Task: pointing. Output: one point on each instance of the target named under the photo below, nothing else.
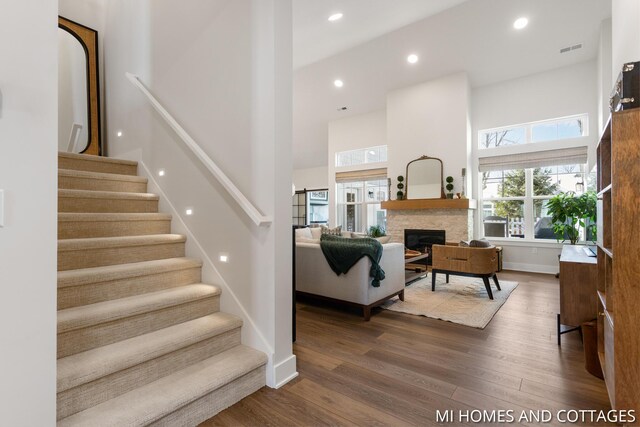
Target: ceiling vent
(571, 48)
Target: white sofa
(315, 277)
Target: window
(514, 201)
(548, 130)
(362, 156)
(358, 204)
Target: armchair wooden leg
(401, 295)
(495, 280)
(447, 278)
(433, 280)
(366, 313)
(485, 279)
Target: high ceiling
(475, 36)
(316, 38)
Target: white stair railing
(258, 218)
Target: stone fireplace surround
(456, 217)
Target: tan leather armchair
(465, 261)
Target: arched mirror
(78, 89)
(424, 178)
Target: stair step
(90, 326)
(86, 162)
(83, 180)
(89, 378)
(106, 201)
(97, 284)
(96, 252)
(85, 225)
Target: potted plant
(449, 187)
(400, 192)
(377, 231)
(569, 213)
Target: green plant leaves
(569, 213)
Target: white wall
(625, 25)
(430, 119)
(604, 71)
(28, 239)
(557, 93)
(352, 133)
(224, 72)
(311, 178)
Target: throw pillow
(383, 239)
(358, 235)
(336, 231)
(316, 232)
(303, 233)
(482, 243)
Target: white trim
(256, 216)
(530, 268)
(251, 334)
(526, 243)
(285, 371)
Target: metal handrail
(258, 218)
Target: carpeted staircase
(140, 340)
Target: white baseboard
(530, 268)
(284, 371)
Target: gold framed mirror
(79, 129)
(425, 178)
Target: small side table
(413, 273)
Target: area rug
(463, 300)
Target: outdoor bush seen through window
(514, 201)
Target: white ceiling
(475, 36)
(316, 38)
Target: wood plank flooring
(398, 369)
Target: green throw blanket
(343, 253)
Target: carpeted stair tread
(76, 225)
(92, 364)
(123, 271)
(108, 311)
(73, 173)
(100, 159)
(96, 163)
(112, 216)
(115, 242)
(97, 284)
(160, 398)
(108, 195)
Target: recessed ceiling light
(338, 83)
(161, 172)
(189, 211)
(520, 23)
(119, 133)
(412, 59)
(335, 17)
(224, 258)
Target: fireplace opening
(422, 240)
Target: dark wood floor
(398, 369)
